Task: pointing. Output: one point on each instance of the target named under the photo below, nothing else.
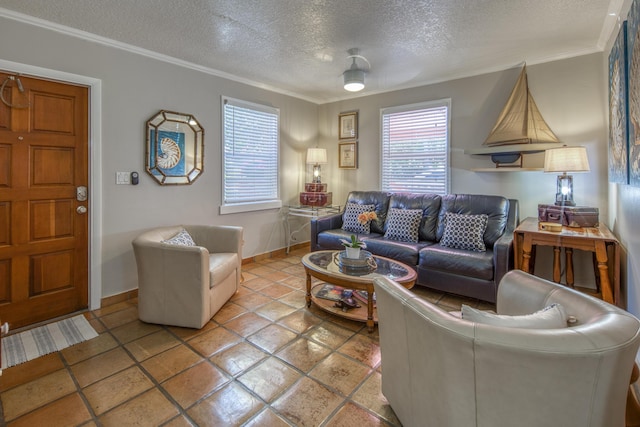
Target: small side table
(594, 239)
(305, 212)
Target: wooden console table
(598, 240)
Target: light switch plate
(122, 178)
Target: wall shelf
(520, 149)
(513, 149)
(507, 169)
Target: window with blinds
(250, 156)
(415, 147)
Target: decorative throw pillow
(464, 231)
(181, 239)
(403, 224)
(550, 317)
(350, 218)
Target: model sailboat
(520, 128)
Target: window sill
(249, 207)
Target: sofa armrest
(502, 256)
(323, 223)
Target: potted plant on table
(353, 247)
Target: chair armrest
(323, 223)
(523, 293)
(170, 276)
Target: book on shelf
(330, 292)
(363, 296)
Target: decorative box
(571, 216)
(552, 227)
(314, 187)
(318, 198)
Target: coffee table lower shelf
(358, 314)
(322, 266)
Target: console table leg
(632, 415)
(527, 259)
(556, 264)
(605, 284)
(568, 253)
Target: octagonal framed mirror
(175, 148)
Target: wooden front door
(43, 222)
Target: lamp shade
(316, 156)
(566, 159)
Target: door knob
(81, 209)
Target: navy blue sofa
(458, 271)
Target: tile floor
(264, 360)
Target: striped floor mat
(46, 339)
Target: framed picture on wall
(633, 91)
(348, 125)
(174, 148)
(348, 155)
(618, 129)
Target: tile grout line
(296, 291)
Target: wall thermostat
(134, 178)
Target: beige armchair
(440, 370)
(186, 285)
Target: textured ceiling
(299, 47)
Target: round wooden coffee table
(323, 266)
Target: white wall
(571, 98)
(134, 88)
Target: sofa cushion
(550, 317)
(402, 224)
(183, 238)
(350, 220)
(405, 252)
(457, 261)
(464, 231)
(330, 239)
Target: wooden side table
(598, 240)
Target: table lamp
(316, 157)
(566, 159)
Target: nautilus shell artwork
(175, 148)
(168, 153)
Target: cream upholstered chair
(440, 370)
(186, 285)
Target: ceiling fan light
(353, 80)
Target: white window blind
(415, 148)
(250, 156)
